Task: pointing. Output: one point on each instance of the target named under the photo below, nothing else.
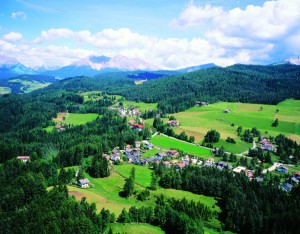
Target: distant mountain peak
(6, 60)
(118, 62)
(294, 61)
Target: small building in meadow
(24, 158)
(83, 183)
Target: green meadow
(29, 86)
(4, 90)
(197, 121)
(142, 106)
(166, 142)
(77, 119)
(105, 191)
(151, 152)
(133, 228)
(72, 119)
(91, 95)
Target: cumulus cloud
(194, 15)
(167, 53)
(251, 35)
(271, 28)
(13, 36)
(18, 14)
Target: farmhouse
(173, 123)
(24, 158)
(180, 166)
(282, 169)
(167, 164)
(137, 127)
(287, 187)
(209, 162)
(137, 144)
(297, 175)
(198, 103)
(248, 173)
(172, 153)
(239, 169)
(266, 145)
(159, 156)
(84, 183)
(222, 165)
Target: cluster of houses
(291, 182)
(129, 112)
(266, 145)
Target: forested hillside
(238, 83)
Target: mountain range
(94, 65)
(90, 66)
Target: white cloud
(13, 36)
(168, 53)
(54, 34)
(193, 15)
(18, 14)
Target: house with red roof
(180, 166)
(167, 164)
(24, 158)
(172, 153)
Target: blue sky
(168, 33)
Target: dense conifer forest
(27, 206)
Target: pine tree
(154, 181)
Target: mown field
(142, 106)
(133, 228)
(197, 121)
(105, 191)
(29, 86)
(151, 152)
(72, 119)
(166, 142)
(4, 90)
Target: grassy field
(4, 90)
(29, 86)
(151, 152)
(71, 119)
(134, 228)
(91, 95)
(105, 191)
(77, 119)
(168, 143)
(197, 121)
(142, 106)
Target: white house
(84, 183)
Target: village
(175, 159)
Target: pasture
(105, 191)
(151, 152)
(29, 86)
(197, 121)
(4, 90)
(74, 118)
(133, 228)
(166, 142)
